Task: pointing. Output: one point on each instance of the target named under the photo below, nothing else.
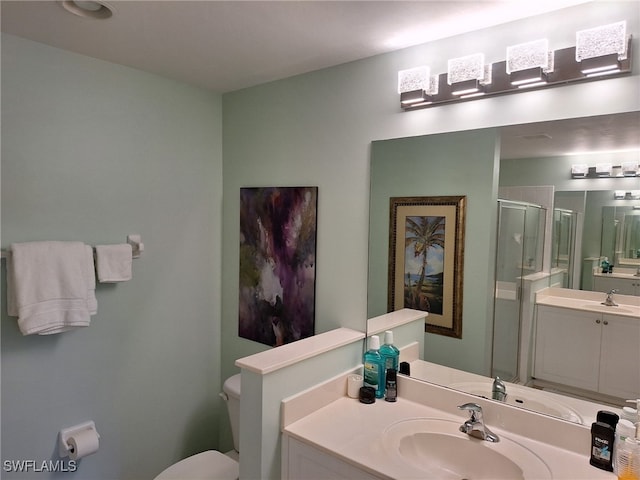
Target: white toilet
(213, 465)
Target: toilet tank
(231, 388)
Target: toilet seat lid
(209, 465)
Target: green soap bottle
(374, 367)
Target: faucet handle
(474, 410)
(612, 291)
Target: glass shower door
(563, 244)
(519, 253)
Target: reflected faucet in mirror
(499, 390)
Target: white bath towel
(51, 286)
(113, 263)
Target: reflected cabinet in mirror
(534, 249)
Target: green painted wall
(93, 151)
(317, 129)
(462, 163)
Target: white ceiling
(230, 45)
(603, 133)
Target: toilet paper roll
(83, 443)
(354, 382)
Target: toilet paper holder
(64, 449)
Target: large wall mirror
(585, 219)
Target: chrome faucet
(475, 426)
(609, 300)
(499, 390)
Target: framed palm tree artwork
(426, 259)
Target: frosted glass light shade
(619, 194)
(629, 169)
(529, 55)
(413, 79)
(462, 69)
(604, 169)
(603, 40)
(579, 170)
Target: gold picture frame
(426, 259)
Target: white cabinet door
(568, 347)
(620, 357)
(303, 462)
(624, 286)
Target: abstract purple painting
(277, 263)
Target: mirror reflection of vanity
(531, 156)
(598, 226)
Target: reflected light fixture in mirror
(580, 170)
(600, 50)
(626, 195)
(630, 169)
(604, 169)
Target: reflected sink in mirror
(440, 450)
(523, 397)
(607, 308)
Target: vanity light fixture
(579, 170)
(468, 74)
(415, 86)
(604, 169)
(627, 195)
(630, 169)
(528, 63)
(89, 8)
(599, 50)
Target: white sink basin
(524, 397)
(440, 450)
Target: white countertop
(618, 272)
(587, 301)
(353, 432)
(459, 380)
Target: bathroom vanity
(418, 437)
(576, 336)
(625, 281)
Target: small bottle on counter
(603, 434)
(391, 385)
(602, 438)
(629, 413)
(626, 462)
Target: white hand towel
(52, 286)
(90, 272)
(113, 263)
